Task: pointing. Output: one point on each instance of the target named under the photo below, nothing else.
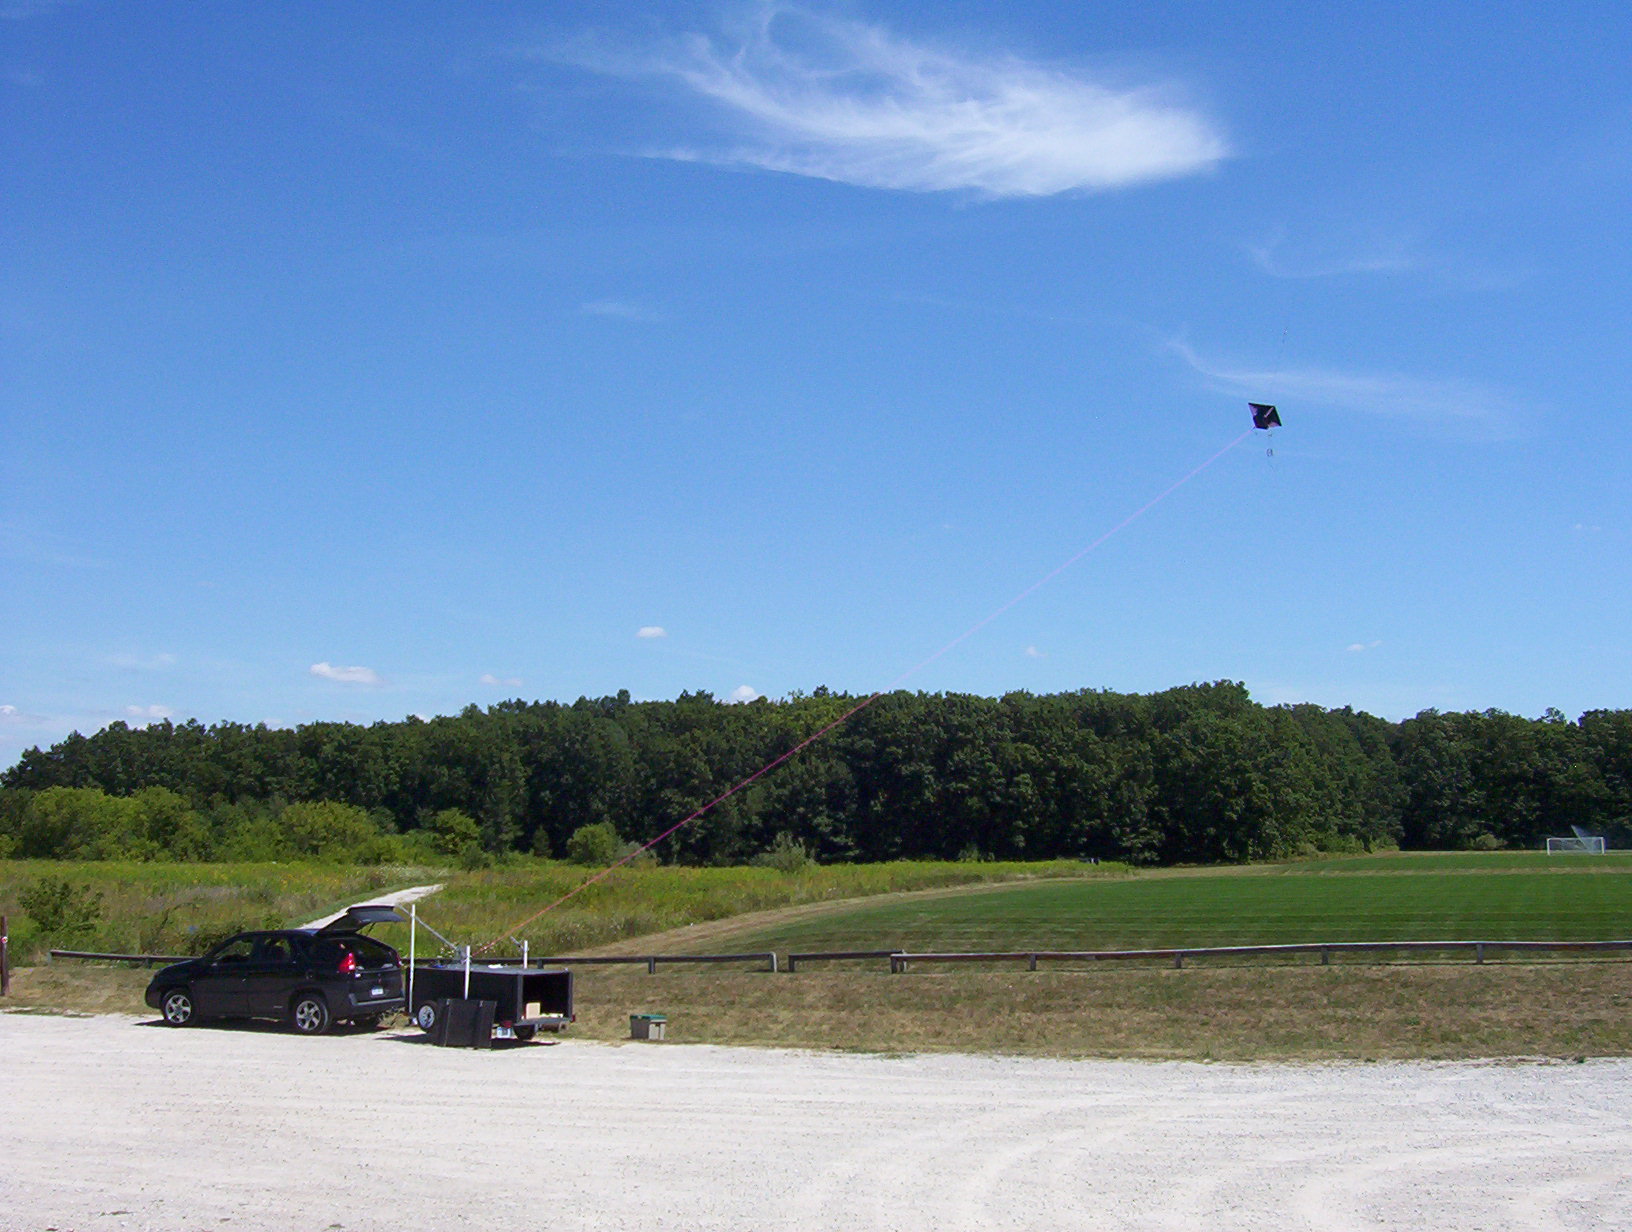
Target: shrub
(786, 854)
(328, 829)
(62, 909)
(597, 844)
(452, 832)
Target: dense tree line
(1194, 774)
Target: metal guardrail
(147, 960)
(836, 956)
(650, 961)
(900, 959)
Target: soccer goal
(1592, 844)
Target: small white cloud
(1277, 258)
(651, 631)
(744, 693)
(1361, 647)
(844, 101)
(1586, 528)
(1033, 653)
(346, 675)
(508, 682)
(8, 711)
(148, 714)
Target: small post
(524, 955)
(651, 965)
(792, 963)
(467, 973)
(1178, 959)
(413, 932)
(1325, 956)
(1031, 962)
(896, 965)
(772, 957)
(5, 958)
(1479, 952)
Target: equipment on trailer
(526, 1000)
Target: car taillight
(348, 964)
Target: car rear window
(370, 953)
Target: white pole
(523, 955)
(413, 931)
(467, 973)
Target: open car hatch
(355, 919)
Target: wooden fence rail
(900, 959)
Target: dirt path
(110, 1122)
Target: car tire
(177, 1008)
(310, 1014)
(425, 1017)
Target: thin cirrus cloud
(346, 675)
(1450, 405)
(509, 682)
(841, 100)
(651, 631)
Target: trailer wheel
(425, 1016)
(526, 1033)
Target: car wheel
(311, 1014)
(177, 1008)
(426, 1017)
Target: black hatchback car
(308, 977)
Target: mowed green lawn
(1426, 897)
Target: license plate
(376, 992)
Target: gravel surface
(116, 1122)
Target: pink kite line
(869, 700)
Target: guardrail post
(1325, 956)
(1178, 959)
(772, 957)
(1479, 952)
(651, 965)
(1031, 962)
(792, 963)
(896, 965)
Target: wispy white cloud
(744, 693)
(508, 682)
(142, 663)
(1033, 653)
(619, 310)
(841, 100)
(346, 675)
(1448, 404)
(651, 631)
(1361, 647)
(1278, 258)
(143, 715)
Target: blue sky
(369, 360)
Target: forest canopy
(1200, 773)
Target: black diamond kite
(1264, 416)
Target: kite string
(871, 698)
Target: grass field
(1427, 897)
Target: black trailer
(527, 999)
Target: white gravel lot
(114, 1122)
